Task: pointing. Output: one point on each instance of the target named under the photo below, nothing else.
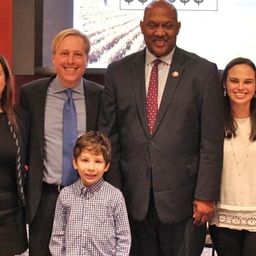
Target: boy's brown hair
(96, 143)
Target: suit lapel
(138, 85)
(40, 95)
(91, 103)
(175, 73)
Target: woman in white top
(233, 227)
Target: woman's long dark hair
(230, 124)
(7, 94)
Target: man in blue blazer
(44, 99)
(170, 177)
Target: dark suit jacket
(184, 153)
(32, 97)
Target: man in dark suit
(170, 176)
(44, 98)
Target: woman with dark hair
(233, 227)
(14, 123)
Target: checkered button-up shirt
(90, 221)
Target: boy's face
(90, 167)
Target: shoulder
(92, 86)
(35, 83)
(192, 58)
(23, 116)
(66, 193)
(127, 60)
(112, 191)
(67, 190)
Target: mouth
(90, 176)
(160, 43)
(240, 94)
(70, 69)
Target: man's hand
(203, 211)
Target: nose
(160, 31)
(91, 166)
(240, 85)
(70, 58)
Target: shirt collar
(88, 191)
(166, 59)
(58, 87)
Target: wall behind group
(6, 47)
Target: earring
(225, 92)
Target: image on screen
(217, 30)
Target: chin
(160, 53)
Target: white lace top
(237, 206)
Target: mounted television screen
(218, 30)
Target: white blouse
(237, 206)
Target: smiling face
(90, 167)
(70, 60)
(160, 28)
(240, 85)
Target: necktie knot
(156, 62)
(69, 93)
(69, 97)
(69, 101)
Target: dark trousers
(230, 242)
(151, 237)
(41, 228)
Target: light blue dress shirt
(53, 124)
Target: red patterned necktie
(151, 101)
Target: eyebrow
(247, 79)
